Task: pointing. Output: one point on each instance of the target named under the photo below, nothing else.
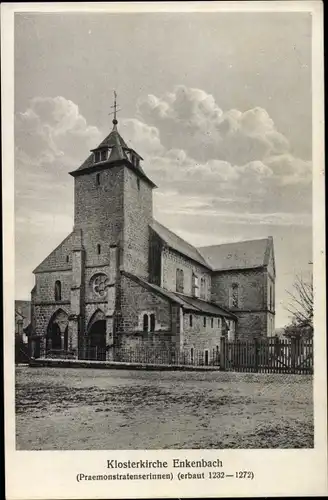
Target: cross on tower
(116, 110)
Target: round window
(99, 284)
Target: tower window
(98, 249)
(98, 179)
(57, 290)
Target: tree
(301, 308)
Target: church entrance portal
(97, 341)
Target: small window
(204, 321)
(98, 179)
(195, 286)
(179, 280)
(97, 156)
(203, 288)
(138, 184)
(67, 258)
(219, 323)
(206, 357)
(192, 355)
(103, 155)
(212, 322)
(152, 322)
(145, 323)
(190, 320)
(57, 291)
(98, 249)
(137, 162)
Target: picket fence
(267, 355)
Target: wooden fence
(267, 355)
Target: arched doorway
(57, 334)
(96, 337)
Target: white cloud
(190, 118)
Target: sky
(218, 105)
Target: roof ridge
(234, 242)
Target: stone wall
(252, 310)
(99, 212)
(135, 301)
(201, 337)
(171, 261)
(137, 217)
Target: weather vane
(116, 110)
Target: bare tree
(301, 308)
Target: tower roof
(119, 152)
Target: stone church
(121, 279)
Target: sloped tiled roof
(188, 303)
(118, 152)
(205, 307)
(240, 255)
(176, 243)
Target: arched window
(152, 322)
(57, 290)
(98, 249)
(145, 322)
(179, 280)
(203, 288)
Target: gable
(57, 258)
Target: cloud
(190, 119)
(52, 129)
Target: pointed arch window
(58, 292)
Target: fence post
(256, 349)
(222, 353)
(293, 353)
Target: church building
(121, 279)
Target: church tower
(112, 213)
(113, 205)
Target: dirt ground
(91, 409)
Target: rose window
(99, 284)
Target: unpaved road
(86, 409)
